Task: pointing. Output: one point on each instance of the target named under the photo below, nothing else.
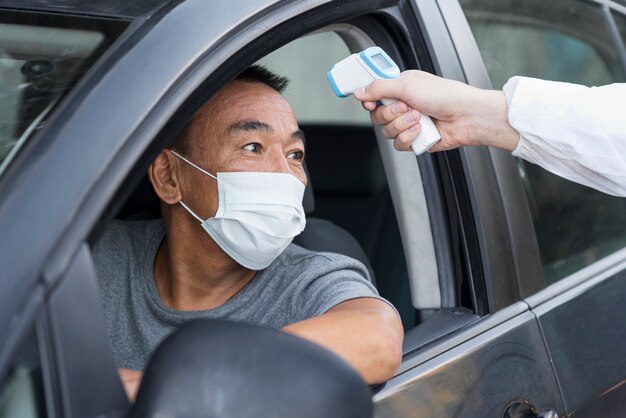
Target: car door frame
(164, 106)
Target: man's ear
(162, 175)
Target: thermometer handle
(428, 136)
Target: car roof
(113, 8)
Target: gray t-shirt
(300, 284)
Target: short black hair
(260, 74)
(253, 74)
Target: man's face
(244, 127)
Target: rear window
(42, 56)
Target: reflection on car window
(21, 390)
(564, 40)
(39, 62)
(305, 62)
(620, 21)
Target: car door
(581, 233)
(476, 348)
(54, 355)
(475, 352)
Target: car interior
(364, 199)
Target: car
(510, 282)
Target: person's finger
(404, 140)
(385, 114)
(369, 106)
(378, 89)
(401, 124)
(441, 146)
(435, 148)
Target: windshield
(41, 59)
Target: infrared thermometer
(359, 70)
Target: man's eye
(296, 155)
(253, 147)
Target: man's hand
(131, 379)
(365, 332)
(463, 114)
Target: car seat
(351, 191)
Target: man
(231, 200)
(573, 131)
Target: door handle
(521, 408)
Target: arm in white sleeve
(574, 131)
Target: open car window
(359, 182)
(361, 185)
(305, 62)
(346, 172)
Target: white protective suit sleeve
(574, 131)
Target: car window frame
(498, 209)
(514, 203)
(177, 105)
(185, 114)
(36, 333)
(205, 84)
(26, 321)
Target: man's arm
(365, 332)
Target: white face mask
(258, 215)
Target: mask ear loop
(191, 211)
(202, 170)
(197, 168)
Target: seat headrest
(344, 159)
(308, 202)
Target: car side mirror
(216, 368)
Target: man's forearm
(366, 333)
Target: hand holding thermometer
(359, 70)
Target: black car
(510, 281)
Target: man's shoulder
(118, 234)
(310, 283)
(123, 243)
(303, 261)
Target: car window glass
(563, 41)
(21, 389)
(38, 64)
(305, 62)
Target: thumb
(379, 89)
